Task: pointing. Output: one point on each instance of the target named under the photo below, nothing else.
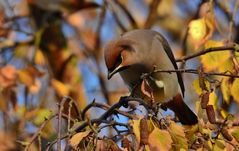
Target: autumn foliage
(54, 92)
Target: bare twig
(118, 21)
(60, 108)
(152, 16)
(111, 111)
(213, 49)
(125, 10)
(194, 71)
(55, 141)
(37, 133)
(105, 107)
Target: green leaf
(41, 115)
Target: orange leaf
(61, 88)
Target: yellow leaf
(235, 90)
(25, 77)
(160, 140)
(219, 146)
(197, 29)
(21, 51)
(197, 86)
(235, 134)
(213, 100)
(178, 136)
(226, 66)
(39, 57)
(61, 88)
(136, 129)
(225, 88)
(77, 138)
(213, 60)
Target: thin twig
(194, 71)
(55, 141)
(105, 107)
(128, 14)
(37, 133)
(39, 143)
(60, 108)
(213, 49)
(111, 111)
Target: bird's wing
(169, 53)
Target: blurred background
(54, 48)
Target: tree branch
(213, 49)
(122, 102)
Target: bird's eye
(126, 47)
(118, 61)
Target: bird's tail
(182, 111)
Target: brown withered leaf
(125, 143)
(3, 31)
(146, 89)
(107, 145)
(204, 100)
(144, 131)
(211, 114)
(226, 134)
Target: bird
(140, 51)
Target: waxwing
(141, 51)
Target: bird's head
(119, 55)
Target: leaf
(8, 75)
(197, 29)
(178, 136)
(34, 89)
(211, 114)
(197, 87)
(235, 90)
(160, 140)
(25, 77)
(41, 116)
(213, 100)
(78, 137)
(235, 134)
(213, 60)
(136, 129)
(144, 131)
(225, 88)
(39, 58)
(146, 89)
(107, 145)
(219, 146)
(61, 88)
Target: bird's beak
(113, 72)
